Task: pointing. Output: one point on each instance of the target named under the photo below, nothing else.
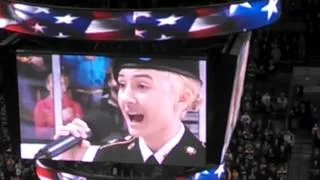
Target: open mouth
(136, 117)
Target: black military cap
(188, 68)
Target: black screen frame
(195, 57)
(217, 94)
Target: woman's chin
(134, 132)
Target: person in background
(44, 112)
(282, 101)
(107, 123)
(32, 71)
(87, 78)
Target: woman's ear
(185, 98)
(184, 102)
(195, 104)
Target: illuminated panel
(153, 24)
(55, 95)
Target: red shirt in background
(44, 115)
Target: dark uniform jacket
(188, 152)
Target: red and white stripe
(236, 95)
(203, 25)
(104, 26)
(45, 173)
(15, 19)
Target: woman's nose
(128, 96)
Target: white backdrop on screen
(203, 109)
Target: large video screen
(137, 109)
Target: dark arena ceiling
(196, 46)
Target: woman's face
(147, 101)
(63, 85)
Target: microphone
(59, 146)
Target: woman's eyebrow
(138, 76)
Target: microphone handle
(59, 146)
(64, 143)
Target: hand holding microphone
(70, 142)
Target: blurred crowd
(11, 167)
(276, 51)
(261, 145)
(260, 149)
(312, 13)
(315, 159)
(302, 10)
(307, 116)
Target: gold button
(191, 150)
(204, 144)
(127, 138)
(131, 146)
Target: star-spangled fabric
(211, 174)
(55, 22)
(162, 25)
(45, 173)
(153, 24)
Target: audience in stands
(11, 167)
(315, 160)
(315, 166)
(260, 149)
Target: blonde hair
(62, 76)
(182, 86)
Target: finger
(81, 123)
(78, 122)
(81, 128)
(55, 137)
(73, 129)
(83, 134)
(61, 133)
(66, 130)
(77, 128)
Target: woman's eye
(142, 86)
(121, 85)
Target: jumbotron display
(138, 109)
(150, 24)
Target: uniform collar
(164, 150)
